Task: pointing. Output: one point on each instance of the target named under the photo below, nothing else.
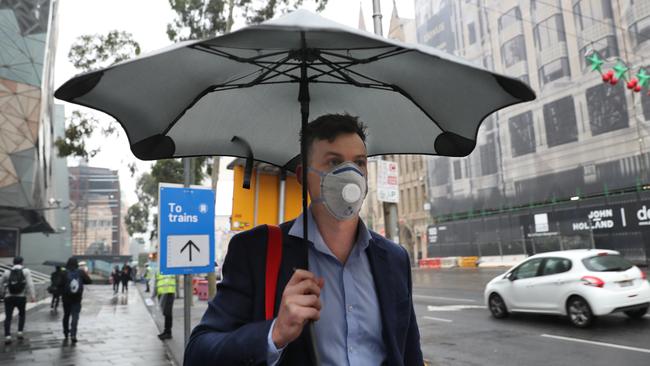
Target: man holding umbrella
(357, 289)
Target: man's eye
(335, 162)
(360, 163)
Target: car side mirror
(511, 276)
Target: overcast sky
(147, 21)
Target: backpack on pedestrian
(17, 281)
(74, 284)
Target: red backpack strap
(273, 257)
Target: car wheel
(636, 314)
(498, 307)
(579, 312)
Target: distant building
(97, 211)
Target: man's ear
(299, 173)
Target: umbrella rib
(392, 87)
(394, 52)
(260, 79)
(225, 54)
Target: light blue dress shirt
(349, 331)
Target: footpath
(176, 345)
(114, 329)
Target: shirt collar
(316, 240)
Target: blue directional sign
(186, 228)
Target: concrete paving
(113, 330)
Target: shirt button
(350, 307)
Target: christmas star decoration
(595, 61)
(643, 77)
(620, 69)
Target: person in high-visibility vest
(165, 288)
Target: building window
(589, 12)
(471, 32)
(488, 62)
(458, 173)
(524, 78)
(489, 156)
(607, 47)
(549, 32)
(640, 31)
(645, 103)
(513, 16)
(607, 109)
(554, 70)
(560, 122)
(513, 51)
(522, 134)
(440, 172)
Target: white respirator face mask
(342, 190)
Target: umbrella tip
(154, 147)
(78, 86)
(451, 144)
(516, 88)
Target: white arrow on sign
(188, 250)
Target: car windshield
(607, 263)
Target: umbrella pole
(303, 98)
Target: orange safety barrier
(435, 263)
(202, 290)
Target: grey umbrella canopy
(238, 94)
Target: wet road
(457, 329)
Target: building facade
(97, 213)
(34, 211)
(568, 170)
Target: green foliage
(95, 51)
(79, 128)
(196, 19)
(257, 11)
(137, 218)
(88, 53)
(200, 19)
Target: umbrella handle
(248, 169)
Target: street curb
(168, 349)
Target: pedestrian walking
(56, 287)
(165, 289)
(147, 277)
(73, 289)
(19, 285)
(116, 277)
(125, 277)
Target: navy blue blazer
(233, 330)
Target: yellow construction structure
(261, 204)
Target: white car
(580, 284)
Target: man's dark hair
(72, 264)
(18, 260)
(330, 126)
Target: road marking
(598, 343)
(454, 307)
(442, 298)
(438, 319)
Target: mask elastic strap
(321, 174)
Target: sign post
(186, 227)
